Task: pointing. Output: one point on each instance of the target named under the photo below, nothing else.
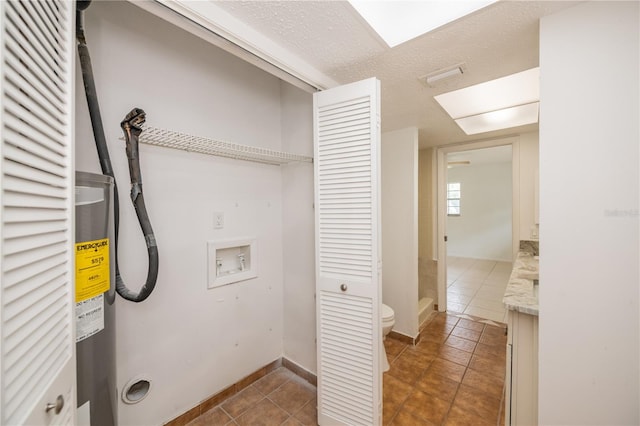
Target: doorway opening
(476, 223)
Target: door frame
(441, 203)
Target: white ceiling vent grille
(36, 200)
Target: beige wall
(529, 164)
(427, 286)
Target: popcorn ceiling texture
(496, 41)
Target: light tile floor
(476, 287)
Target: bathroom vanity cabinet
(521, 299)
(521, 402)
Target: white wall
(298, 228)
(483, 229)
(189, 341)
(400, 227)
(589, 317)
(529, 163)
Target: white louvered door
(36, 202)
(348, 286)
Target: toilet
(388, 320)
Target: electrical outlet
(534, 231)
(218, 220)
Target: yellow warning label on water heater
(92, 269)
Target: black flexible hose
(133, 121)
(131, 126)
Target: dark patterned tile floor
(453, 376)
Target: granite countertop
(521, 295)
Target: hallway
(476, 287)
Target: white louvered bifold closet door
(348, 290)
(36, 194)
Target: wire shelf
(176, 140)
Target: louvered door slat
(36, 190)
(43, 21)
(30, 335)
(30, 187)
(338, 250)
(27, 73)
(33, 228)
(15, 125)
(359, 114)
(23, 292)
(32, 247)
(32, 101)
(53, 11)
(30, 271)
(47, 32)
(23, 114)
(46, 52)
(22, 171)
(329, 111)
(19, 214)
(51, 16)
(33, 201)
(338, 128)
(347, 252)
(44, 368)
(343, 358)
(340, 113)
(38, 147)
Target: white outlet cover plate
(218, 220)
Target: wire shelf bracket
(185, 142)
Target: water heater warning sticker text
(92, 269)
(89, 317)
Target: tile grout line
(404, 349)
(264, 396)
(283, 409)
(466, 368)
(413, 387)
(482, 331)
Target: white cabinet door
(36, 212)
(348, 288)
(522, 370)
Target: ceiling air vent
(435, 77)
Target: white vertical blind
(36, 203)
(347, 230)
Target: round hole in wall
(136, 390)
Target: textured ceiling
(496, 41)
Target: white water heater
(95, 301)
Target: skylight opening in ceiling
(497, 104)
(399, 21)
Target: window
(453, 199)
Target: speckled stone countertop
(521, 295)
